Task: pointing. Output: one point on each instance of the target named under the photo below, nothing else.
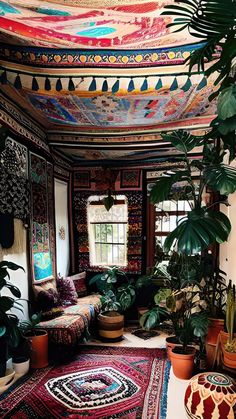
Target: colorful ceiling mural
(132, 25)
(99, 68)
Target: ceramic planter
(21, 366)
(9, 375)
(183, 363)
(111, 326)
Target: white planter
(7, 378)
(21, 368)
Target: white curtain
(62, 227)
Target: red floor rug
(108, 382)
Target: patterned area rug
(105, 383)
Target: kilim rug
(106, 383)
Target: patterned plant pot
(210, 395)
(111, 326)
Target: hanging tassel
(47, 85)
(131, 86)
(3, 77)
(105, 86)
(202, 83)
(116, 86)
(35, 85)
(174, 85)
(58, 85)
(187, 85)
(71, 85)
(144, 85)
(17, 83)
(158, 85)
(93, 85)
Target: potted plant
(228, 340)
(118, 294)
(38, 339)
(9, 332)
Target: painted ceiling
(102, 69)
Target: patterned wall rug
(106, 383)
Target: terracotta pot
(214, 328)
(38, 348)
(111, 326)
(183, 364)
(171, 343)
(229, 358)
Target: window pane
(108, 233)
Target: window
(167, 215)
(107, 232)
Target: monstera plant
(204, 224)
(213, 22)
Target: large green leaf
(6, 303)
(162, 188)
(227, 102)
(212, 21)
(221, 178)
(183, 140)
(198, 230)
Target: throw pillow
(47, 299)
(52, 314)
(67, 291)
(80, 284)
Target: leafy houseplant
(118, 294)
(228, 340)
(9, 332)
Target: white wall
(61, 215)
(19, 278)
(228, 249)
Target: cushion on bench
(68, 328)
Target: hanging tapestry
(42, 223)
(135, 201)
(14, 189)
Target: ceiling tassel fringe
(17, 82)
(47, 85)
(93, 85)
(71, 85)
(3, 77)
(174, 85)
(202, 83)
(58, 85)
(105, 86)
(144, 85)
(116, 86)
(131, 85)
(158, 85)
(35, 85)
(187, 85)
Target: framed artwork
(82, 179)
(130, 178)
(42, 221)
